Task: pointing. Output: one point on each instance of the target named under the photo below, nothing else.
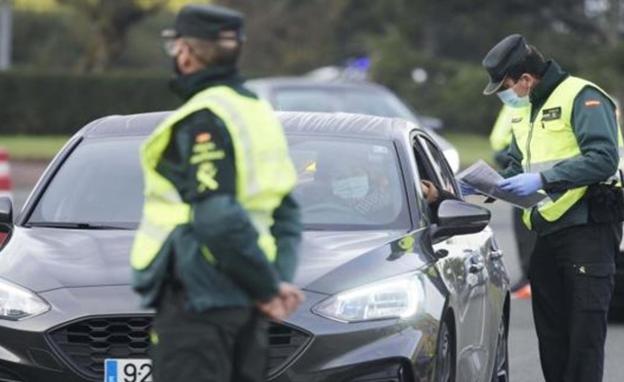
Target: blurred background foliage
(104, 56)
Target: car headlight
(397, 297)
(17, 303)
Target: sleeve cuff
(549, 182)
(266, 296)
(544, 180)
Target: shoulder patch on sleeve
(592, 103)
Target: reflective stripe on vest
(264, 172)
(550, 139)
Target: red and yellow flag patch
(203, 138)
(592, 103)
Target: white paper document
(484, 179)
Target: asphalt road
(523, 353)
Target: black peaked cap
(206, 21)
(508, 52)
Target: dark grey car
(393, 291)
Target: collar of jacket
(187, 86)
(552, 77)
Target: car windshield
(99, 184)
(343, 184)
(358, 101)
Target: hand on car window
(430, 191)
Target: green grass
(471, 147)
(32, 147)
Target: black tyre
(445, 356)
(501, 365)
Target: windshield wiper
(93, 226)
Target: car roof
(343, 124)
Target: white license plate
(128, 370)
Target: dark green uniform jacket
(242, 274)
(596, 131)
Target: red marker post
(5, 174)
(5, 184)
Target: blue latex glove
(467, 189)
(522, 185)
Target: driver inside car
(359, 184)
(360, 187)
(366, 189)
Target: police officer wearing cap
(567, 143)
(216, 247)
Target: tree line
(446, 39)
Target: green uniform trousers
(219, 345)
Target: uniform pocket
(593, 286)
(556, 125)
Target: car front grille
(85, 344)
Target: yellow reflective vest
(550, 139)
(264, 172)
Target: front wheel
(445, 356)
(501, 364)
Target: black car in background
(394, 291)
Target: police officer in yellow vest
(500, 136)
(217, 243)
(566, 142)
(500, 141)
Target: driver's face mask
(351, 188)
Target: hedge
(44, 103)
(61, 103)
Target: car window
(349, 184)
(347, 100)
(100, 183)
(312, 100)
(425, 170)
(375, 103)
(439, 165)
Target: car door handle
(496, 254)
(476, 263)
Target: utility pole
(6, 34)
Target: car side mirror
(456, 217)
(6, 212)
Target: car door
(465, 272)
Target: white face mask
(351, 188)
(511, 99)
